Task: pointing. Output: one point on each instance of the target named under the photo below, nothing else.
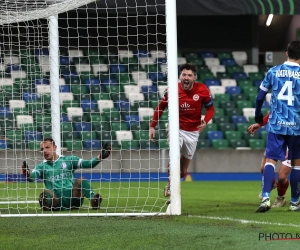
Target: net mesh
(112, 65)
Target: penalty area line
(243, 221)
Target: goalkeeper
(62, 191)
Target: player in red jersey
(283, 172)
(192, 96)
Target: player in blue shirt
(284, 122)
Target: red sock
(281, 188)
(273, 182)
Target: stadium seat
(220, 144)
(238, 143)
(255, 76)
(222, 75)
(239, 119)
(231, 69)
(130, 144)
(233, 90)
(13, 104)
(73, 145)
(226, 126)
(138, 75)
(30, 97)
(248, 68)
(203, 143)
(222, 97)
(211, 61)
(202, 76)
(148, 145)
(207, 54)
(213, 135)
(248, 112)
(239, 75)
(244, 104)
(104, 104)
(257, 143)
(228, 62)
(92, 144)
(221, 119)
(24, 119)
(232, 111)
(212, 82)
(233, 135)
(217, 68)
(240, 57)
(145, 112)
(228, 82)
(131, 89)
(118, 126)
(216, 90)
(32, 136)
(135, 97)
(219, 112)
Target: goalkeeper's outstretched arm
(105, 152)
(30, 176)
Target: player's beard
(186, 85)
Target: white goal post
(86, 72)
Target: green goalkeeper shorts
(66, 201)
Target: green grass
(215, 215)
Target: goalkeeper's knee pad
(45, 200)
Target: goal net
(111, 73)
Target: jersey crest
(63, 165)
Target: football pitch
(215, 215)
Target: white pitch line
(243, 221)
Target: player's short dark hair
(293, 50)
(49, 140)
(189, 66)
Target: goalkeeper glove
(105, 152)
(25, 169)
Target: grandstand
(102, 95)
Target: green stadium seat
(69, 104)
(100, 96)
(116, 126)
(248, 137)
(129, 60)
(190, 56)
(221, 119)
(18, 145)
(206, 76)
(79, 118)
(198, 61)
(227, 104)
(118, 96)
(255, 76)
(224, 54)
(222, 97)
(223, 75)
(73, 145)
(226, 127)
(264, 135)
(66, 127)
(238, 143)
(130, 144)
(211, 127)
(219, 112)
(32, 127)
(20, 111)
(250, 90)
(106, 135)
(141, 135)
(244, 104)
(242, 127)
(78, 89)
(202, 143)
(232, 111)
(88, 135)
(257, 143)
(14, 135)
(46, 134)
(238, 97)
(147, 144)
(233, 68)
(163, 143)
(220, 144)
(101, 126)
(264, 68)
(114, 88)
(68, 136)
(233, 135)
(245, 82)
(34, 145)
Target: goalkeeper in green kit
(62, 191)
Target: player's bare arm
(202, 126)
(253, 128)
(152, 134)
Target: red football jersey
(190, 106)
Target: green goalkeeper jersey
(59, 175)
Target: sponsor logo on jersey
(185, 105)
(63, 165)
(195, 97)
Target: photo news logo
(278, 236)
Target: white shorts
(188, 143)
(287, 163)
